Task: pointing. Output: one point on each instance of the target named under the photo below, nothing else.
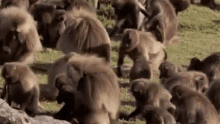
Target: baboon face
(138, 90)
(10, 43)
(165, 68)
(129, 39)
(194, 64)
(10, 73)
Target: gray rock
(10, 115)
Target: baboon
(83, 4)
(162, 22)
(193, 107)
(58, 68)
(21, 86)
(50, 22)
(197, 81)
(209, 3)
(157, 115)
(210, 65)
(84, 34)
(19, 39)
(147, 92)
(130, 14)
(23, 4)
(92, 88)
(143, 49)
(167, 69)
(180, 5)
(213, 94)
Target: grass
(199, 36)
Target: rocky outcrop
(9, 115)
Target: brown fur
(22, 87)
(23, 4)
(162, 22)
(180, 5)
(85, 34)
(138, 44)
(147, 92)
(96, 89)
(197, 81)
(193, 107)
(19, 22)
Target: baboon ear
(46, 17)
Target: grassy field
(199, 36)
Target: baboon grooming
(84, 34)
(147, 92)
(210, 65)
(180, 5)
(143, 49)
(130, 14)
(213, 94)
(162, 22)
(21, 86)
(50, 22)
(197, 81)
(157, 115)
(91, 89)
(19, 39)
(23, 4)
(57, 69)
(193, 107)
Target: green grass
(199, 36)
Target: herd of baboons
(83, 80)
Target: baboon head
(11, 72)
(166, 68)
(194, 64)
(130, 39)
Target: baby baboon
(50, 22)
(197, 81)
(92, 89)
(23, 4)
(162, 22)
(143, 49)
(130, 14)
(213, 94)
(193, 107)
(84, 34)
(19, 39)
(157, 115)
(21, 86)
(210, 65)
(58, 68)
(147, 92)
(180, 5)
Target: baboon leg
(27, 58)
(63, 113)
(4, 91)
(117, 26)
(122, 54)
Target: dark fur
(19, 39)
(50, 22)
(213, 93)
(162, 22)
(197, 81)
(147, 92)
(210, 65)
(180, 5)
(91, 91)
(157, 115)
(193, 107)
(84, 34)
(130, 14)
(22, 87)
(23, 4)
(143, 49)
(210, 3)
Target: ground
(199, 36)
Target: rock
(10, 115)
